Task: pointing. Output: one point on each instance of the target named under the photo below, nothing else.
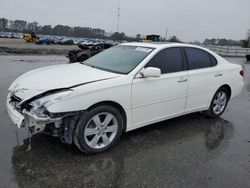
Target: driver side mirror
(150, 72)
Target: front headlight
(39, 105)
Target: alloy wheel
(101, 130)
(219, 102)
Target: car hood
(55, 77)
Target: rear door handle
(218, 74)
(182, 80)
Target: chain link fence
(229, 51)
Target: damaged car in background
(86, 51)
(121, 89)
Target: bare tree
(3, 24)
(173, 39)
(33, 27)
(138, 37)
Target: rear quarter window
(213, 60)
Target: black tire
(211, 112)
(83, 58)
(79, 136)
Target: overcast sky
(189, 20)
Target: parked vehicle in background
(87, 42)
(66, 41)
(86, 52)
(32, 37)
(46, 41)
(2, 35)
(17, 35)
(9, 35)
(248, 57)
(121, 89)
(56, 40)
(152, 38)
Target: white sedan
(123, 88)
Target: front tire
(98, 129)
(218, 103)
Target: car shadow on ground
(52, 164)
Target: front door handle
(218, 74)
(182, 80)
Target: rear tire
(218, 103)
(98, 129)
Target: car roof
(160, 45)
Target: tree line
(222, 42)
(229, 42)
(22, 26)
(59, 30)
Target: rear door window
(198, 58)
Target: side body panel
(204, 82)
(158, 98)
(202, 86)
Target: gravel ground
(188, 151)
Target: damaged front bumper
(23, 118)
(16, 117)
(59, 125)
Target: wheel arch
(228, 88)
(115, 105)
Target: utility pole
(166, 34)
(118, 16)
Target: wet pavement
(188, 151)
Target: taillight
(242, 73)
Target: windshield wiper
(101, 68)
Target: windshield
(119, 59)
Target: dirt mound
(20, 47)
(30, 51)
